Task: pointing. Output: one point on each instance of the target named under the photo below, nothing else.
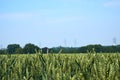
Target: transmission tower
(75, 43)
(65, 42)
(114, 42)
(1, 46)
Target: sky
(52, 23)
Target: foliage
(30, 48)
(19, 51)
(13, 48)
(45, 50)
(3, 51)
(90, 66)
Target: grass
(89, 66)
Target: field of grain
(89, 66)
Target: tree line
(31, 48)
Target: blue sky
(59, 22)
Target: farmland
(87, 66)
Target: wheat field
(89, 66)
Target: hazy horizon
(52, 23)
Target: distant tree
(12, 48)
(45, 50)
(90, 47)
(118, 48)
(19, 51)
(97, 47)
(83, 49)
(51, 50)
(3, 51)
(30, 48)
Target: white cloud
(113, 3)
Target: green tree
(97, 47)
(30, 48)
(19, 51)
(83, 49)
(45, 49)
(3, 51)
(12, 48)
